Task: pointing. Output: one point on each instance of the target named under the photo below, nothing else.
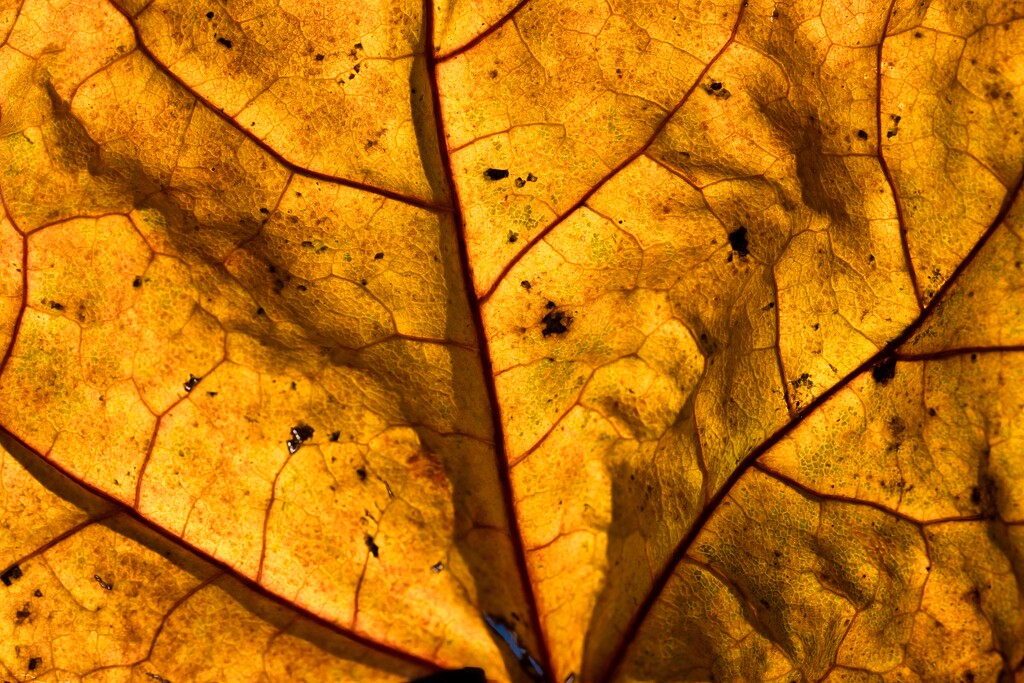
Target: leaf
(558, 340)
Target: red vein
(60, 538)
(24, 285)
(501, 456)
(123, 509)
(290, 165)
(888, 351)
(959, 351)
(615, 171)
(900, 220)
(483, 36)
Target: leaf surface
(618, 341)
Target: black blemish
(335, 436)
(519, 182)
(437, 567)
(363, 282)
(191, 382)
(775, 14)
(525, 284)
(209, 15)
(738, 241)
(358, 46)
(493, 73)
(530, 178)
(976, 495)
(512, 237)
(278, 285)
(211, 394)
(549, 305)
(374, 549)
(469, 674)
(356, 68)
(804, 380)
(260, 311)
(716, 85)
(890, 134)
(884, 371)
(34, 663)
(137, 282)
(319, 58)
(301, 288)
(496, 173)
(378, 256)
(862, 134)
(918, 34)
(22, 614)
(361, 473)
(100, 581)
(301, 433)
(264, 209)
(555, 322)
(56, 306)
(306, 244)
(38, 593)
(974, 358)
(225, 42)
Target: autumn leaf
(558, 340)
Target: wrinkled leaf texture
(681, 340)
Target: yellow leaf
(563, 340)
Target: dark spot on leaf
(301, 288)
(530, 178)
(884, 371)
(496, 173)
(555, 322)
(260, 311)
(974, 358)
(225, 42)
(301, 433)
(738, 241)
(519, 182)
(862, 134)
(512, 237)
(715, 85)
(34, 663)
(358, 46)
(104, 584)
(975, 495)
(549, 305)
(493, 73)
(363, 282)
(374, 549)
(335, 436)
(137, 282)
(890, 134)
(56, 306)
(192, 381)
(378, 256)
(264, 209)
(209, 15)
(22, 614)
(319, 58)
(361, 473)
(525, 284)
(38, 593)
(918, 34)
(437, 567)
(211, 393)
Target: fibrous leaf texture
(555, 340)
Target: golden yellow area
(634, 341)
